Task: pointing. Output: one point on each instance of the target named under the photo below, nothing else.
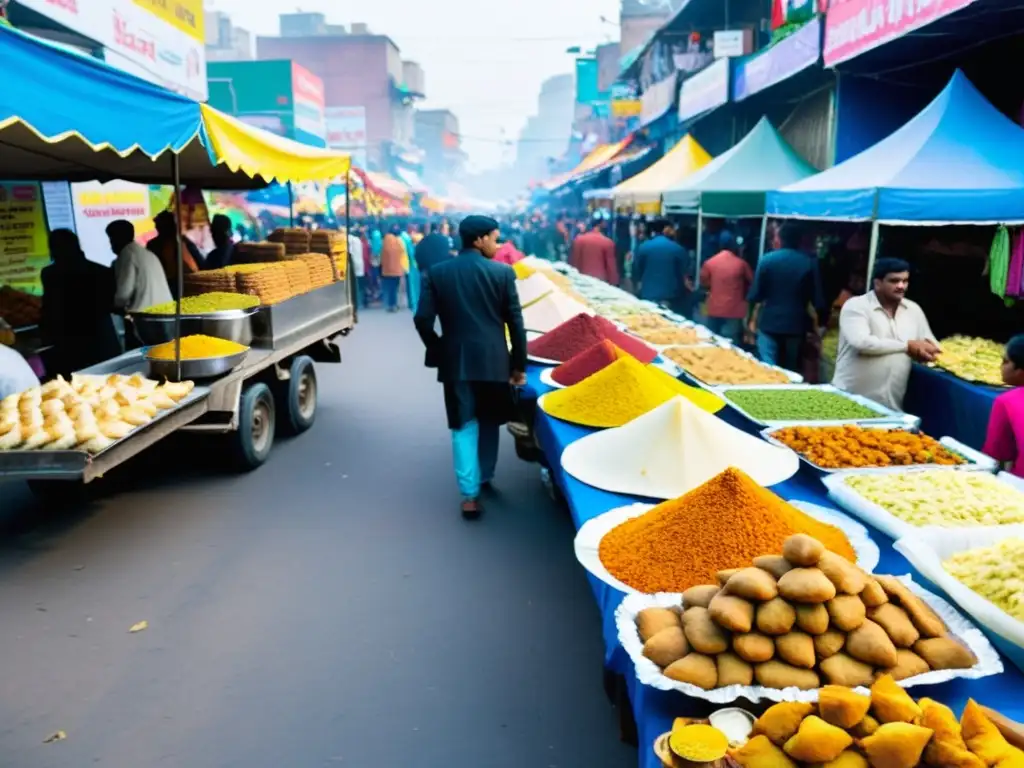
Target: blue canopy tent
(960, 161)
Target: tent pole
(764, 236)
(700, 242)
(348, 199)
(872, 251)
(180, 259)
(291, 205)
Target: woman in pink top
(1005, 437)
(508, 254)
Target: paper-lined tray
(648, 673)
(794, 378)
(588, 538)
(885, 416)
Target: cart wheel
(299, 397)
(255, 435)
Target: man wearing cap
(475, 300)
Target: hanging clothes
(999, 262)
(1015, 274)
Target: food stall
(224, 372)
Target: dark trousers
(780, 349)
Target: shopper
(432, 249)
(392, 269)
(358, 266)
(1005, 439)
(662, 268)
(140, 279)
(880, 334)
(409, 238)
(476, 301)
(16, 375)
(593, 253)
(224, 243)
(78, 298)
(787, 284)
(508, 254)
(727, 278)
(165, 246)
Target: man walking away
(662, 267)
(392, 269)
(220, 256)
(476, 301)
(594, 254)
(432, 249)
(728, 279)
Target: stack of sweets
(259, 253)
(267, 281)
(321, 269)
(299, 280)
(333, 244)
(295, 239)
(213, 281)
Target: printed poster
(24, 249)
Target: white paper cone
(670, 451)
(534, 288)
(551, 311)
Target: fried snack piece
(700, 596)
(806, 585)
(896, 745)
(870, 643)
(796, 648)
(732, 613)
(753, 647)
(925, 619)
(732, 670)
(776, 617)
(724, 576)
(908, 664)
(776, 674)
(776, 565)
(829, 644)
(702, 633)
(752, 584)
(781, 721)
(848, 759)
(873, 594)
(945, 653)
(812, 619)
(896, 623)
(841, 669)
(841, 707)
(760, 752)
(667, 646)
(802, 551)
(947, 749)
(847, 577)
(847, 612)
(698, 743)
(696, 669)
(891, 704)
(650, 621)
(817, 742)
(865, 727)
(981, 735)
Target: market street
(332, 608)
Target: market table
(654, 710)
(948, 405)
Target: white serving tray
(886, 416)
(794, 378)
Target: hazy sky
(483, 59)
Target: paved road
(330, 609)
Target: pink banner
(853, 27)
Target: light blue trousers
(475, 450)
(412, 287)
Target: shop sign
(657, 100)
(704, 91)
(183, 15)
(24, 250)
(346, 130)
(308, 102)
(783, 60)
(729, 43)
(271, 123)
(97, 205)
(854, 27)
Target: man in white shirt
(880, 335)
(16, 375)
(355, 252)
(141, 281)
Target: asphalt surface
(331, 608)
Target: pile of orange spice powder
(723, 524)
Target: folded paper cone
(551, 311)
(671, 450)
(534, 288)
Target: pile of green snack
(206, 304)
(798, 405)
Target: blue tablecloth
(950, 406)
(654, 710)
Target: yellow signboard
(626, 108)
(186, 15)
(24, 249)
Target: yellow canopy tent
(258, 153)
(643, 192)
(598, 157)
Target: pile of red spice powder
(587, 363)
(582, 332)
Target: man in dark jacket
(432, 249)
(476, 300)
(662, 270)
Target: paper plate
(547, 376)
(648, 673)
(670, 451)
(588, 538)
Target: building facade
(437, 134)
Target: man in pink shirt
(728, 278)
(1006, 424)
(594, 254)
